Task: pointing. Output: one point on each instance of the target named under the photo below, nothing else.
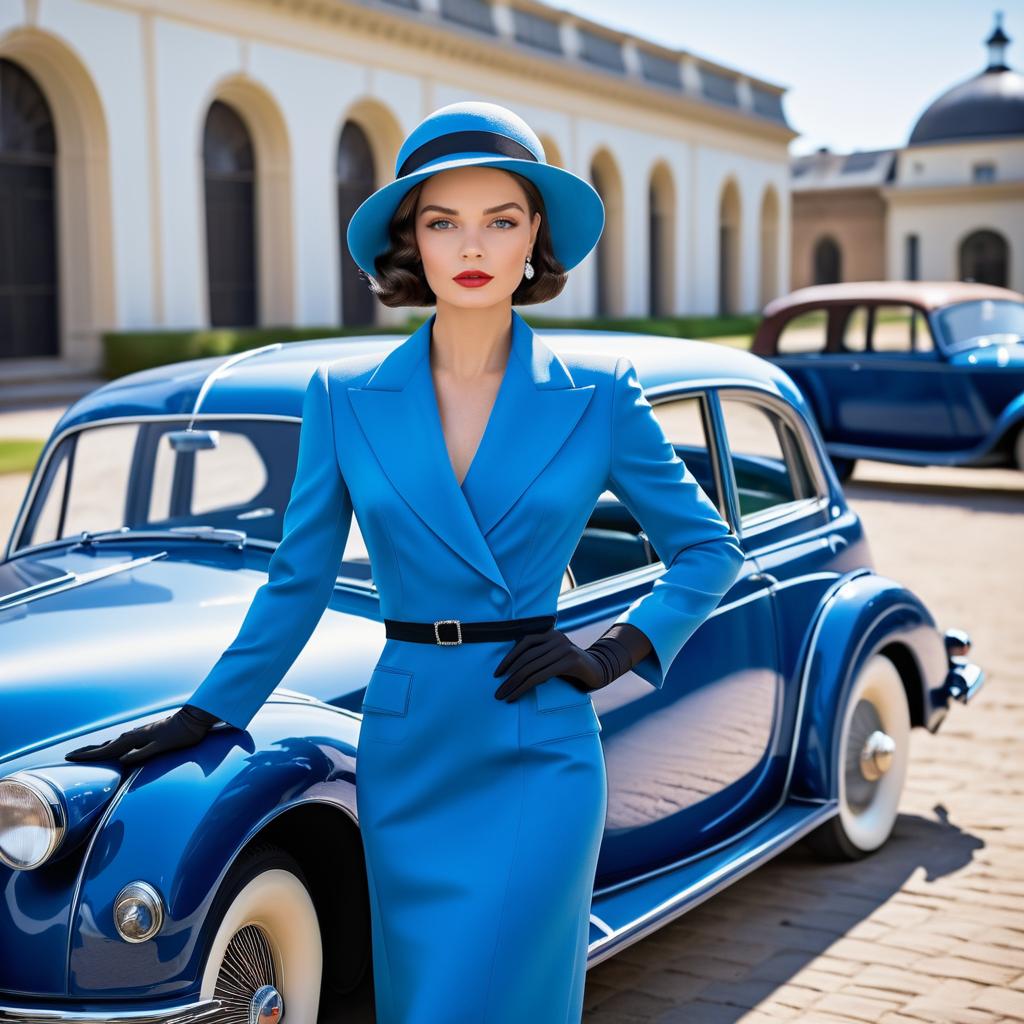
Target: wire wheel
(266, 956)
(246, 970)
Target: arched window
(229, 164)
(985, 258)
(828, 262)
(28, 235)
(356, 180)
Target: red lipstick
(472, 278)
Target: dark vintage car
(226, 882)
(927, 373)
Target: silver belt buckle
(443, 622)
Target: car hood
(1010, 356)
(92, 637)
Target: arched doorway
(661, 250)
(356, 180)
(28, 238)
(985, 258)
(229, 165)
(769, 246)
(828, 261)
(729, 250)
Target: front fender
(1008, 419)
(860, 617)
(179, 825)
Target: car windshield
(982, 322)
(126, 474)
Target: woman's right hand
(184, 728)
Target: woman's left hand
(539, 656)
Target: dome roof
(987, 105)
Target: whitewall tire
(265, 960)
(871, 763)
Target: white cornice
(449, 39)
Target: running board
(621, 915)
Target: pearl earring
(528, 272)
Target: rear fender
(862, 616)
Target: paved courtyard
(931, 928)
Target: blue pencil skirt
(481, 822)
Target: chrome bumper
(209, 1010)
(964, 681)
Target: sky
(857, 74)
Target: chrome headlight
(32, 821)
(138, 912)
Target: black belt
(451, 631)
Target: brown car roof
(928, 294)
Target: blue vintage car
(926, 373)
(226, 882)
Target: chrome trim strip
(601, 924)
(665, 911)
(97, 831)
(191, 1013)
(73, 580)
(769, 519)
(219, 370)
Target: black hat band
(465, 142)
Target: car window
(854, 333)
(900, 328)
(805, 332)
(768, 458)
(684, 420)
(982, 322)
(127, 474)
(613, 541)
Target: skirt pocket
(555, 710)
(385, 704)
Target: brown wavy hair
(400, 280)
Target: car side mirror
(193, 440)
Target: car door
(887, 383)
(683, 761)
(790, 534)
(801, 349)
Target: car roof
(272, 380)
(927, 294)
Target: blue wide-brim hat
(474, 133)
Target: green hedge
(18, 455)
(128, 351)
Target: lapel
(536, 408)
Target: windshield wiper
(220, 535)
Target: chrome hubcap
(246, 984)
(869, 755)
(876, 755)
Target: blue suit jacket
(560, 432)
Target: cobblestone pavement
(930, 928)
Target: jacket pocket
(387, 695)
(556, 710)
(556, 692)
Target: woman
(473, 456)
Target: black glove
(539, 656)
(184, 728)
